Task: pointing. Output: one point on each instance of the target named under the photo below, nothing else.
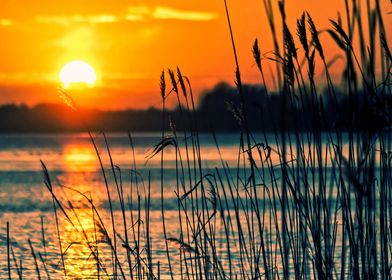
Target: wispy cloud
(66, 20)
(134, 17)
(134, 13)
(161, 12)
(6, 22)
(170, 13)
(103, 19)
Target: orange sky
(130, 42)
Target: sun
(77, 73)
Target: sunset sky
(128, 43)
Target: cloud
(66, 20)
(134, 17)
(103, 19)
(139, 10)
(162, 13)
(6, 22)
(134, 13)
(170, 13)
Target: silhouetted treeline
(219, 109)
(361, 111)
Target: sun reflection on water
(82, 236)
(79, 158)
(79, 242)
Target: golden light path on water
(81, 238)
(79, 157)
(86, 249)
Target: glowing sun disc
(77, 72)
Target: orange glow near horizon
(128, 45)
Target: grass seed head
(163, 85)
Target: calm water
(72, 161)
(25, 201)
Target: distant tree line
(219, 109)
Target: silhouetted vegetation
(311, 204)
(219, 109)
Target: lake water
(72, 161)
(27, 204)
